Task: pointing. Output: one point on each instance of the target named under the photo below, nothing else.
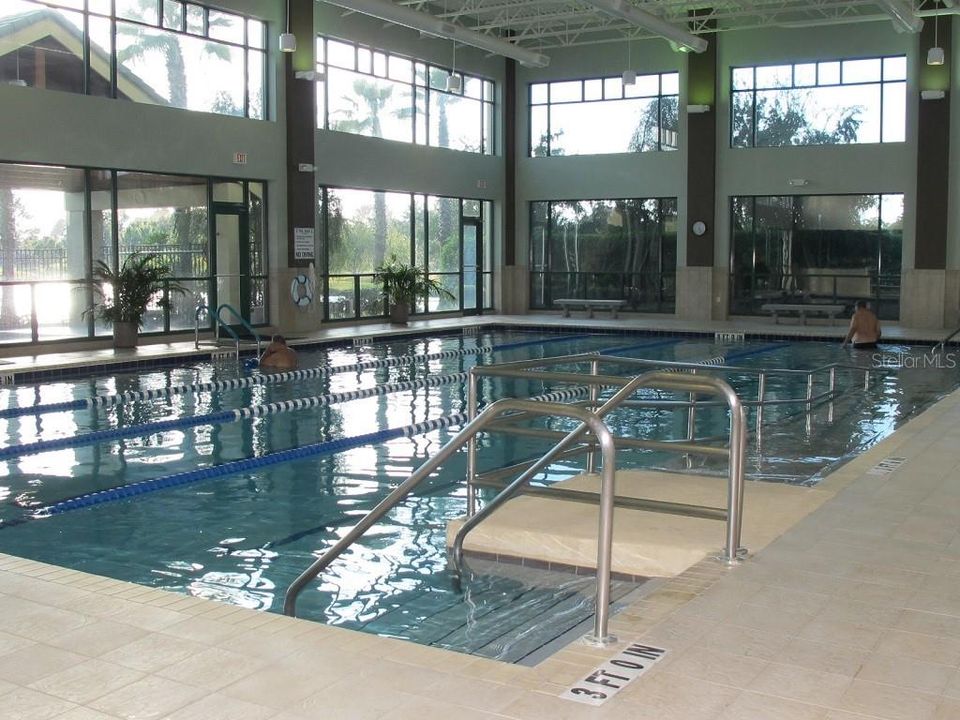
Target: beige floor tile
(27, 704)
(202, 630)
(37, 622)
(823, 657)
(212, 668)
(153, 652)
(281, 685)
(852, 634)
(85, 713)
(948, 709)
(537, 706)
(753, 706)
(943, 650)
(151, 697)
(220, 707)
(745, 641)
(928, 623)
(718, 667)
(86, 681)
(887, 701)
(907, 672)
(349, 699)
(33, 662)
(98, 637)
(420, 708)
(802, 684)
(669, 696)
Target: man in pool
(864, 329)
(278, 356)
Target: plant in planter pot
(123, 295)
(402, 284)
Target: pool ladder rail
(221, 324)
(590, 435)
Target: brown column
(702, 153)
(933, 151)
(510, 162)
(301, 107)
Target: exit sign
(239, 158)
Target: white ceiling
(544, 24)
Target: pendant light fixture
(629, 75)
(288, 41)
(935, 55)
(454, 83)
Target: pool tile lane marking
(614, 675)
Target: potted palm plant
(123, 295)
(401, 284)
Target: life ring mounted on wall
(301, 291)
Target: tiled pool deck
(852, 613)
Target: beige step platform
(645, 543)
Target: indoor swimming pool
(223, 483)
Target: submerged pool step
(505, 612)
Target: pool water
(243, 537)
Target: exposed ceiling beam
(641, 18)
(391, 12)
(902, 15)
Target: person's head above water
(279, 339)
(861, 305)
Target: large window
(162, 52)
(376, 93)
(833, 102)
(605, 250)
(602, 115)
(448, 237)
(56, 222)
(835, 248)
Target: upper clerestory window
(602, 115)
(832, 102)
(161, 52)
(366, 91)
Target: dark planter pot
(125, 334)
(399, 314)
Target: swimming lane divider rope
(237, 466)
(237, 383)
(226, 416)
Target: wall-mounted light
(288, 41)
(311, 75)
(306, 167)
(798, 182)
(932, 94)
(697, 109)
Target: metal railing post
(732, 553)
(761, 391)
(594, 394)
(471, 445)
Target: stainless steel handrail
(490, 414)
(662, 380)
(249, 328)
(942, 345)
(201, 308)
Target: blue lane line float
(226, 416)
(237, 466)
(756, 351)
(638, 346)
(103, 401)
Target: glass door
(232, 255)
(471, 235)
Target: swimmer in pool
(864, 329)
(278, 356)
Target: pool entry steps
(590, 435)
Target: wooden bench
(589, 305)
(802, 309)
